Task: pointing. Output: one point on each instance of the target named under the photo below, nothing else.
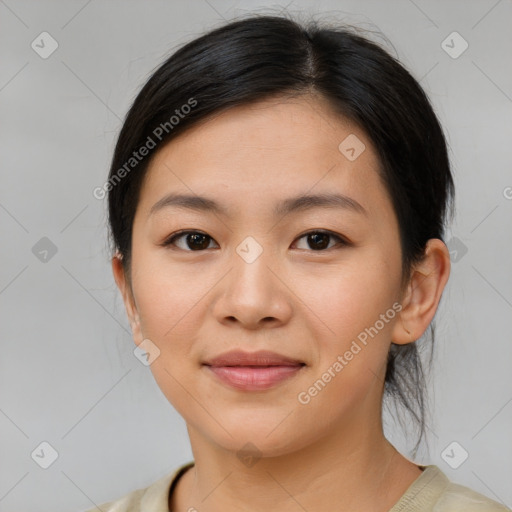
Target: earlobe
(428, 280)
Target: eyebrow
(289, 205)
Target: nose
(253, 294)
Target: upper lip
(260, 358)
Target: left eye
(319, 240)
(198, 241)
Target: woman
(277, 201)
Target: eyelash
(171, 240)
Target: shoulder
(153, 498)
(458, 497)
(129, 503)
(432, 491)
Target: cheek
(170, 305)
(350, 298)
(168, 295)
(352, 343)
(355, 314)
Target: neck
(366, 473)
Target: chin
(265, 438)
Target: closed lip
(260, 358)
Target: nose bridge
(251, 291)
(252, 276)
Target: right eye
(195, 240)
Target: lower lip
(254, 378)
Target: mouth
(256, 371)
(254, 378)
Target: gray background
(68, 374)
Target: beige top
(432, 491)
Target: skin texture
(300, 302)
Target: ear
(128, 299)
(423, 293)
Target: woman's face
(256, 281)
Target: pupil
(195, 238)
(315, 240)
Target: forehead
(272, 129)
(268, 150)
